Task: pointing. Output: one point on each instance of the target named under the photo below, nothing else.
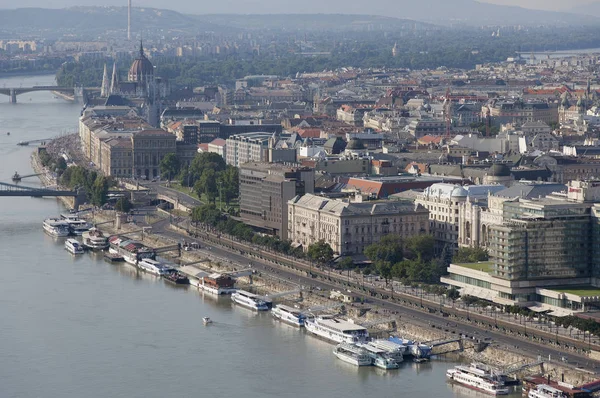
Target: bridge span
(13, 190)
(79, 94)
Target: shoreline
(496, 354)
(27, 73)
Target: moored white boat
(249, 300)
(77, 226)
(94, 239)
(352, 354)
(546, 391)
(288, 315)
(73, 246)
(478, 377)
(381, 358)
(56, 227)
(153, 267)
(336, 330)
(131, 251)
(207, 320)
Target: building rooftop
(485, 266)
(581, 291)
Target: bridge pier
(13, 96)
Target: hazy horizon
(258, 6)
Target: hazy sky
(198, 7)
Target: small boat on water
(546, 391)
(353, 354)
(478, 377)
(207, 320)
(381, 357)
(8, 133)
(176, 277)
(56, 227)
(153, 267)
(77, 226)
(288, 315)
(94, 239)
(336, 330)
(73, 246)
(249, 300)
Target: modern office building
(543, 254)
(266, 188)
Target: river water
(80, 327)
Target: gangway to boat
(516, 368)
(374, 322)
(322, 308)
(443, 342)
(238, 274)
(170, 248)
(282, 294)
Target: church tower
(114, 83)
(105, 84)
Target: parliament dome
(141, 69)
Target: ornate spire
(114, 83)
(105, 83)
(141, 48)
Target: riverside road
(426, 319)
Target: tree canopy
(321, 252)
(169, 166)
(470, 255)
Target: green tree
(470, 255)
(207, 185)
(420, 246)
(229, 180)
(389, 249)
(207, 214)
(346, 263)
(321, 252)
(200, 163)
(384, 269)
(99, 191)
(123, 205)
(453, 294)
(169, 166)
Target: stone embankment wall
(383, 322)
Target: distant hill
(592, 9)
(467, 12)
(337, 15)
(301, 22)
(97, 19)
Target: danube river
(81, 327)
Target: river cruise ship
(249, 300)
(288, 315)
(336, 330)
(353, 354)
(546, 391)
(153, 267)
(132, 251)
(73, 246)
(382, 358)
(56, 227)
(94, 239)
(478, 377)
